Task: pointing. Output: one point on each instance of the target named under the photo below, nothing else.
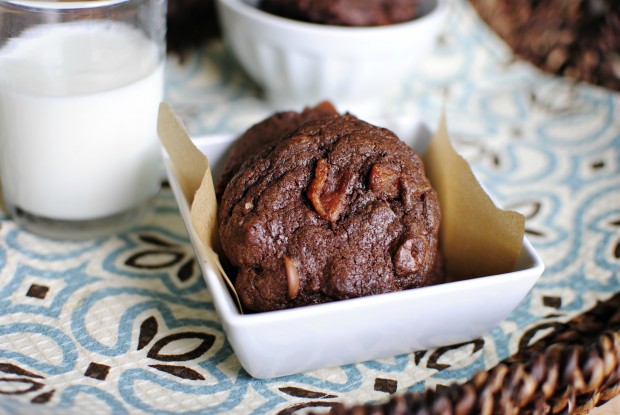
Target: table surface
(125, 324)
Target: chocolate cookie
(344, 12)
(339, 209)
(579, 39)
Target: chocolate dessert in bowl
(332, 226)
(338, 53)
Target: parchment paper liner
(476, 237)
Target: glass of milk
(80, 86)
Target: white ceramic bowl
(299, 63)
(284, 342)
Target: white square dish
(279, 343)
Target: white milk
(78, 116)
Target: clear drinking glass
(80, 86)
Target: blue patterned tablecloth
(126, 325)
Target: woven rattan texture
(569, 371)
